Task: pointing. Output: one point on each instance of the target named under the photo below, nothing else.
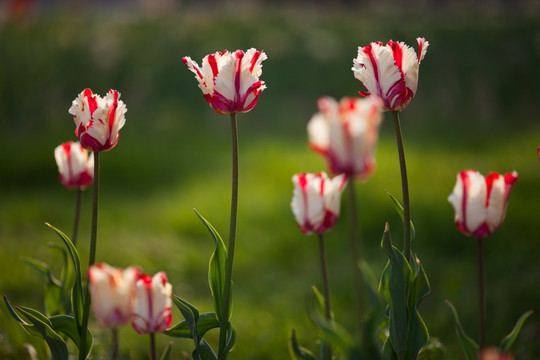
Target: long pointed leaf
(191, 316)
(332, 332)
(167, 352)
(54, 341)
(216, 270)
(417, 332)
(207, 321)
(468, 345)
(393, 286)
(67, 325)
(43, 269)
(77, 293)
(510, 338)
(204, 352)
(400, 210)
(297, 352)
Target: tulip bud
(98, 120)
(76, 168)
(390, 71)
(230, 80)
(346, 134)
(480, 203)
(113, 293)
(153, 304)
(316, 201)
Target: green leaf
(373, 314)
(43, 269)
(468, 345)
(167, 352)
(393, 286)
(297, 352)
(191, 316)
(67, 276)
(231, 340)
(67, 325)
(417, 332)
(434, 350)
(77, 293)
(29, 328)
(204, 352)
(400, 210)
(332, 332)
(207, 321)
(54, 341)
(216, 270)
(510, 338)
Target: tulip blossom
(76, 168)
(492, 353)
(113, 293)
(230, 80)
(316, 201)
(153, 304)
(346, 134)
(480, 203)
(390, 71)
(98, 120)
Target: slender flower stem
(91, 256)
(404, 189)
(481, 302)
(357, 250)
(77, 216)
(326, 290)
(114, 344)
(153, 355)
(232, 240)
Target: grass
(476, 108)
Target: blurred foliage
(476, 107)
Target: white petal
(476, 201)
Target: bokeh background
(477, 107)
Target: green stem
(232, 240)
(153, 353)
(357, 250)
(91, 256)
(77, 216)
(326, 290)
(114, 344)
(481, 302)
(404, 189)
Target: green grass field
(476, 107)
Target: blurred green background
(477, 107)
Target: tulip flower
(346, 134)
(480, 203)
(390, 71)
(492, 353)
(153, 304)
(316, 201)
(98, 120)
(113, 293)
(76, 168)
(230, 80)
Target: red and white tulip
(153, 304)
(113, 293)
(480, 202)
(76, 168)
(230, 80)
(98, 120)
(316, 201)
(390, 71)
(346, 134)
